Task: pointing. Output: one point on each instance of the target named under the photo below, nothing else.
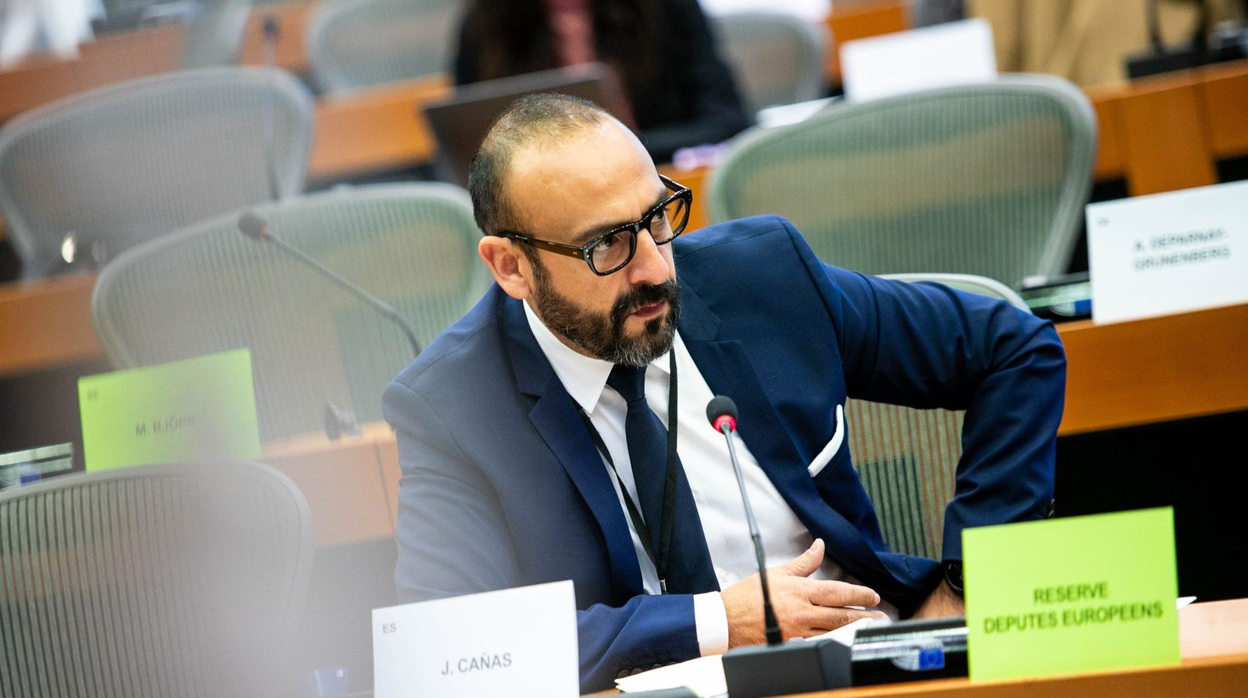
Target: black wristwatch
(953, 576)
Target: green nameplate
(1089, 593)
(191, 410)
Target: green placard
(1062, 596)
(192, 410)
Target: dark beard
(601, 335)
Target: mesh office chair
(123, 164)
(169, 580)
(215, 36)
(982, 179)
(906, 458)
(353, 44)
(208, 288)
(777, 58)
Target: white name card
(1168, 253)
(954, 53)
(516, 642)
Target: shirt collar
(582, 376)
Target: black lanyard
(667, 518)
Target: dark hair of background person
(682, 93)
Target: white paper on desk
(954, 53)
(705, 675)
(516, 642)
(1168, 253)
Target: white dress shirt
(704, 456)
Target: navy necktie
(689, 562)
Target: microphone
(778, 668)
(722, 412)
(256, 228)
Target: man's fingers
(838, 594)
(822, 620)
(805, 564)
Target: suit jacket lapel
(728, 371)
(556, 418)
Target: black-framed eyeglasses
(614, 249)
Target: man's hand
(804, 607)
(941, 603)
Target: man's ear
(503, 258)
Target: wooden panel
(111, 59)
(1155, 370)
(1221, 677)
(1224, 92)
(861, 22)
(45, 324)
(377, 129)
(1214, 629)
(696, 181)
(342, 482)
(1109, 149)
(1165, 140)
(391, 474)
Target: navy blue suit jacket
(502, 485)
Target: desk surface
(1213, 644)
(1210, 677)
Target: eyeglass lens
(616, 250)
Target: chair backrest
(980, 179)
(126, 163)
(215, 36)
(208, 288)
(167, 580)
(777, 58)
(906, 458)
(353, 44)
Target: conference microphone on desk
(256, 228)
(722, 412)
(777, 668)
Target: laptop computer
(460, 123)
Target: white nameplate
(516, 642)
(1168, 253)
(954, 53)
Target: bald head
(534, 121)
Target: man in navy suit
(558, 430)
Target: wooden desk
(1221, 673)
(1213, 677)
(114, 58)
(374, 130)
(351, 484)
(1169, 132)
(1155, 370)
(46, 323)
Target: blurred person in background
(1088, 41)
(56, 25)
(681, 92)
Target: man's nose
(648, 266)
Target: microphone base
(800, 666)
